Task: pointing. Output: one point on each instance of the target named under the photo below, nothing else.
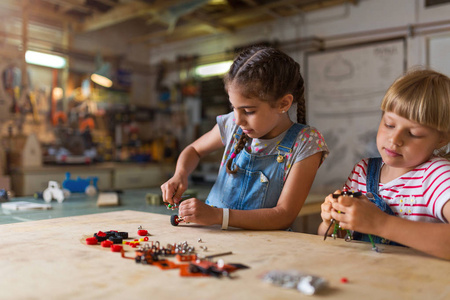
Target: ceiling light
(46, 60)
(102, 75)
(214, 69)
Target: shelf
(27, 181)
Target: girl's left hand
(196, 211)
(357, 214)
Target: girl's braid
(301, 105)
(237, 148)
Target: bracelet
(225, 218)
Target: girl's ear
(285, 103)
(445, 140)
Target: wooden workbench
(49, 259)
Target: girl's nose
(396, 138)
(238, 118)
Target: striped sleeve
(356, 181)
(436, 184)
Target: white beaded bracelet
(225, 218)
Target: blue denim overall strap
(258, 181)
(373, 182)
(372, 185)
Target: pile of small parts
(152, 253)
(108, 239)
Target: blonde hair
(422, 96)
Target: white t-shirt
(309, 141)
(418, 195)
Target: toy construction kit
(153, 253)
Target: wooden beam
(324, 4)
(124, 12)
(267, 10)
(66, 5)
(36, 12)
(120, 13)
(179, 30)
(202, 17)
(189, 31)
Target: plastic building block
(142, 232)
(116, 248)
(91, 241)
(106, 243)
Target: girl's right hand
(173, 188)
(326, 208)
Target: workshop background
(129, 131)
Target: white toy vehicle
(53, 192)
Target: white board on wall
(345, 87)
(439, 54)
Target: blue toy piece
(79, 185)
(4, 197)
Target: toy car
(86, 185)
(175, 220)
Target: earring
(283, 111)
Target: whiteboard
(344, 89)
(439, 54)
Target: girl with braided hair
(269, 162)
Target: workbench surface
(49, 259)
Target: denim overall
(259, 179)
(372, 184)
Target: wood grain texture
(49, 260)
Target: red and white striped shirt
(418, 195)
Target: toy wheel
(90, 190)
(174, 220)
(66, 193)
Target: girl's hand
(174, 188)
(357, 214)
(326, 208)
(196, 211)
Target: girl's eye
(415, 135)
(249, 112)
(388, 125)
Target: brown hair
(422, 96)
(267, 74)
